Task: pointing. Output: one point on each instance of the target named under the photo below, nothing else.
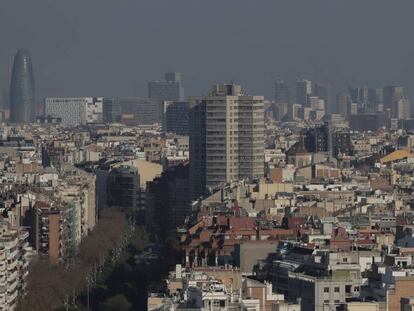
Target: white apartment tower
(226, 137)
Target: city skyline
(228, 155)
(344, 53)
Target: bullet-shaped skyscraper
(22, 89)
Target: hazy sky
(113, 47)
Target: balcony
(11, 277)
(11, 298)
(12, 266)
(13, 286)
(13, 254)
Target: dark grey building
(123, 187)
(303, 92)
(343, 104)
(111, 110)
(170, 89)
(282, 94)
(392, 95)
(176, 117)
(167, 201)
(321, 90)
(139, 111)
(375, 100)
(22, 89)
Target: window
(337, 301)
(356, 289)
(348, 289)
(326, 289)
(326, 301)
(345, 259)
(336, 289)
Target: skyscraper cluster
(310, 103)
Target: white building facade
(75, 111)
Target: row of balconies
(13, 254)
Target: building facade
(123, 187)
(75, 111)
(14, 260)
(176, 117)
(226, 137)
(303, 92)
(392, 94)
(139, 111)
(170, 89)
(282, 94)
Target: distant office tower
(111, 110)
(343, 102)
(282, 94)
(170, 89)
(315, 109)
(280, 107)
(368, 121)
(359, 95)
(75, 111)
(22, 89)
(303, 92)
(139, 111)
(297, 112)
(277, 111)
(176, 117)
(321, 90)
(226, 137)
(392, 94)
(375, 100)
(354, 109)
(403, 109)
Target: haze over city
(107, 48)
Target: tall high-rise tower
(392, 95)
(282, 94)
(226, 137)
(22, 89)
(303, 92)
(321, 90)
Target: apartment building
(14, 260)
(227, 137)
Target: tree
(116, 303)
(49, 286)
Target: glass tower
(22, 89)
